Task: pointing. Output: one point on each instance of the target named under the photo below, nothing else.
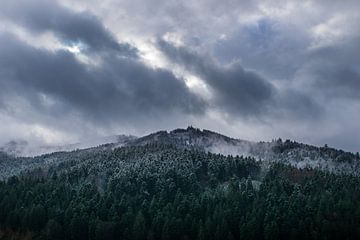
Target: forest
(159, 191)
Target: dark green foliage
(160, 192)
(37, 217)
(53, 230)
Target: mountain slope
(164, 191)
(286, 152)
(11, 164)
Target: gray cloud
(333, 71)
(236, 89)
(242, 92)
(276, 68)
(120, 89)
(72, 28)
(273, 48)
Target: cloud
(56, 89)
(240, 92)
(273, 48)
(273, 69)
(332, 71)
(121, 88)
(234, 88)
(73, 28)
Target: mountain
(20, 156)
(287, 152)
(198, 139)
(182, 184)
(177, 185)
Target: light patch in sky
(198, 86)
(31, 132)
(45, 40)
(150, 55)
(75, 49)
(78, 50)
(175, 38)
(329, 32)
(278, 9)
(49, 136)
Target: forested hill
(288, 152)
(159, 191)
(176, 185)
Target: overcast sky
(257, 70)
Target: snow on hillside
(287, 152)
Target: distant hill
(287, 152)
(183, 184)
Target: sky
(71, 70)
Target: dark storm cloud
(40, 16)
(333, 71)
(120, 89)
(239, 91)
(235, 89)
(338, 81)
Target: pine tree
(139, 228)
